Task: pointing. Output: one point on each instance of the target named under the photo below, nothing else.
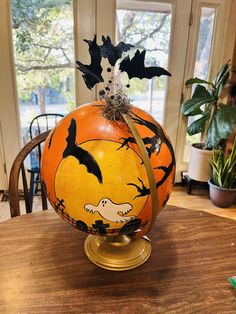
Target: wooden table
(43, 268)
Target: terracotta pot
(221, 197)
(199, 168)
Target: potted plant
(214, 120)
(223, 182)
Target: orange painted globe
(95, 177)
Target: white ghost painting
(111, 211)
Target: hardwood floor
(179, 197)
(199, 202)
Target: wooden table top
(43, 268)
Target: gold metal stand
(117, 252)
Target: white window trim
(218, 57)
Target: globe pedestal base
(117, 252)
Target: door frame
(89, 20)
(9, 113)
(219, 56)
(3, 176)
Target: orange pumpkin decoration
(94, 174)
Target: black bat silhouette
(111, 52)
(154, 145)
(135, 67)
(82, 155)
(92, 73)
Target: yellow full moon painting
(114, 200)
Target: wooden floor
(199, 201)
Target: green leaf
(224, 169)
(197, 126)
(221, 125)
(221, 78)
(221, 73)
(214, 167)
(196, 80)
(195, 112)
(221, 84)
(200, 97)
(201, 92)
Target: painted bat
(83, 156)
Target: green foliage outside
(44, 52)
(149, 31)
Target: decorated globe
(108, 167)
(95, 176)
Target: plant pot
(221, 197)
(199, 168)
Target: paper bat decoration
(92, 73)
(82, 155)
(111, 52)
(135, 67)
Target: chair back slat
(40, 126)
(26, 191)
(44, 118)
(47, 123)
(15, 171)
(39, 153)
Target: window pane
(202, 63)
(147, 27)
(44, 58)
(204, 43)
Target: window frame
(218, 58)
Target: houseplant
(223, 182)
(214, 120)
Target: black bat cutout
(135, 67)
(82, 155)
(111, 52)
(93, 72)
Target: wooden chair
(18, 165)
(38, 125)
(43, 122)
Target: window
(202, 63)
(44, 58)
(149, 95)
